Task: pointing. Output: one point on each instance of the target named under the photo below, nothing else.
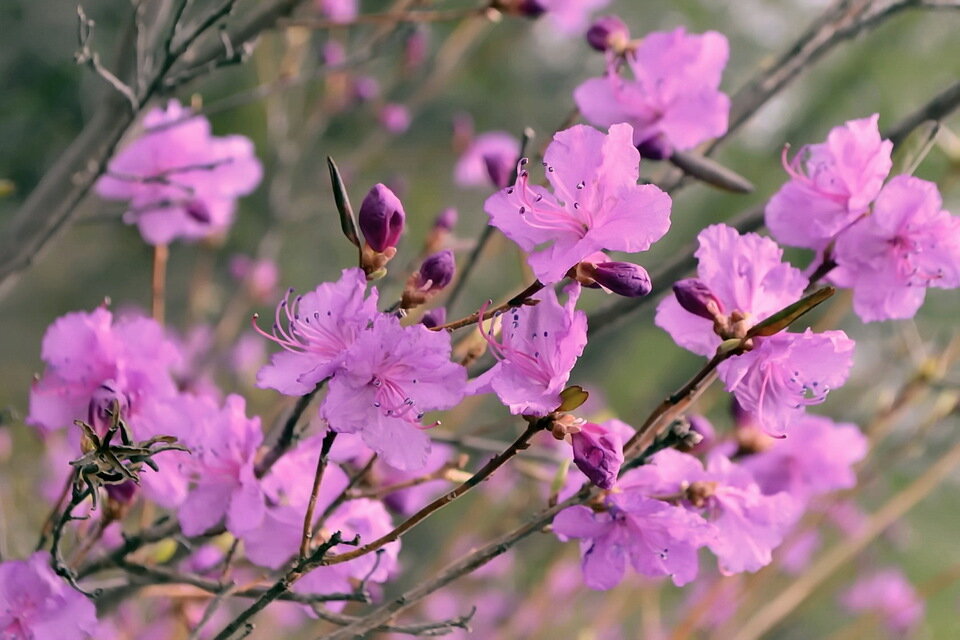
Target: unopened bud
(122, 492)
(656, 147)
(623, 278)
(444, 223)
(446, 219)
(598, 453)
(434, 275)
(434, 318)
(108, 404)
(198, 211)
(701, 437)
(381, 218)
(608, 33)
(365, 89)
(696, 297)
(499, 168)
(415, 48)
(531, 8)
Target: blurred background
(505, 76)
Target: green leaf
(348, 223)
(572, 397)
(783, 318)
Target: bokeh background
(514, 74)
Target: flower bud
(598, 453)
(104, 402)
(198, 211)
(701, 437)
(655, 148)
(531, 8)
(623, 278)
(415, 48)
(608, 33)
(381, 218)
(434, 318)
(696, 297)
(446, 219)
(365, 89)
(499, 168)
(435, 273)
(395, 118)
(122, 492)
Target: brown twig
(315, 491)
(161, 255)
(516, 301)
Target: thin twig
(315, 491)
(161, 254)
(516, 301)
(416, 17)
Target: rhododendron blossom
(888, 594)
(315, 331)
(536, 352)
(181, 181)
(596, 202)
(890, 257)
(390, 376)
(748, 524)
(490, 159)
(85, 350)
(36, 604)
(673, 102)
(832, 184)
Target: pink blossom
(658, 539)
(890, 257)
(223, 443)
(673, 102)
(596, 202)
(748, 524)
(570, 17)
(785, 373)
(816, 458)
(490, 157)
(35, 604)
(395, 118)
(181, 181)
(338, 10)
(537, 350)
(84, 350)
(389, 377)
(258, 276)
(745, 274)
(832, 184)
(315, 332)
(886, 592)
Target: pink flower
(537, 350)
(832, 184)
(35, 604)
(258, 276)
(748, 524)
(673, 101)
(491, 157)
(338, 10)
(570, 17)
(181, 181)
(315, 332)
(389, 377)
(656, 538)
(817, 459)
(745, 275)
(890, 257)
(596, 203)
(223, 443)
(84, 350)
(395, 118)
(888, 593)
(786, 372)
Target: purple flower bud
(395, 118)
(437, 271)
(608, 32)
(198, 211)
(365, 88)
(598, 453)
(333, 53)
(416, 47)
(696, 297)
(623, 278)
(446, 219)
(106, 399)
(434, 318)
(655, 148)
(123, 492)
(531, 8)
(381, 218)
(499, 168)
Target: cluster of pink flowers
(888, 242)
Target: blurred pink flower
(181, 181)
(889, 594)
